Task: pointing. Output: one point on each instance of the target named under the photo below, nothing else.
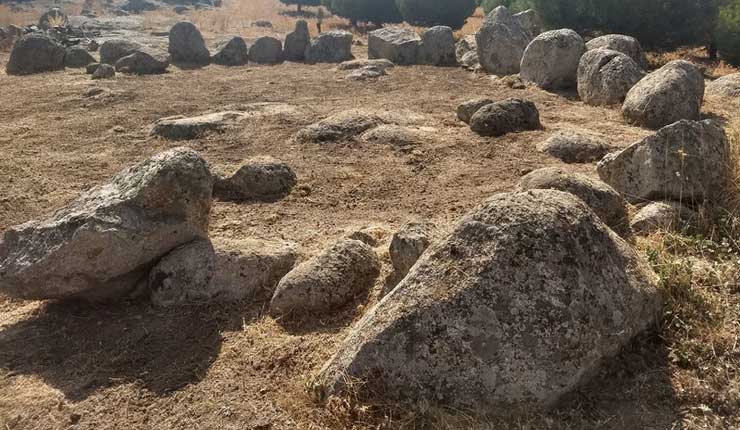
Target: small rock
(104, 71)
(467, 109)
(408, 244)
(143, 62)
(327, 281)
(395, 135)
(341, 126)
(369, 235)
(184, 275)
(575, 147)
(261, 178)
(380, 63)
(91, 68)
(115, 49)
(507, 116)
(180, 128)
(262, 23)
(365, 73)
(663, 216)
(77, 57)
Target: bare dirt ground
(231, 366)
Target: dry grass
(20, 16)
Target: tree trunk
(300, 11)
(712, 50)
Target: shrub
(728, 32)
(376, 11)
(301, 3)
(452, 13)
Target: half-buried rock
(686, 161)
(575, 147)
(102, 244)
(515, 308)
(261, 178)
(327, 282)
(340, 126)
(144, 62)
(179, 127)
(507, 116)
(604, 200)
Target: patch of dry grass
(20, 16)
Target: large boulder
(102, 244)
(260, 178)
(507, 116)
(501, 41)
(604, 200)
(115, 49)
(531, 21)
(437, 47)
(327, 281)
(35, 54)
(296, 42)
(233, 52)
(686, 161)
(144, 62)
(77, 57)
(671, 93)
(515, 308)
(187, 45)
(330, 47)
(266, 50)
(399, 45)
(551, 59)
(627, 45)
(575, 147)
(605, 77)
(726, 86)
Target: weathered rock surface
(104, 71)
(115, 49)
(398, 45)
(627, 45)
(437, 47)
(518, 306)
(330, 47)
(138, 6)
(144, 62)
(604, 200)
(408, 244)
(365, 73)
(671, 93)
(261, 178)
(467, 109)
(233, 52)
(663, 216)
(605, 77)
(187, 45)
(726, 86)
(327, 281)
(380, 63)
(507, 116)
(266, 50)
(575, 147)
(395, 135)
(91, 68)
(466, 52)
(77, 57)
(35, 54)
(501, 42)
(296, 42)
(184, 275)
(341, 126)
(685, 161)
(531, 21)
(551, 59)
(102, 244)
(180, 127)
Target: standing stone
(102, 244)
(605, 77)
(77, 57)
(187, 45)
(143, 62)
(330, 47)
(35, 54)
(328, 281)
(260, 178)
(233, 52)
(398, 45)
(466, 52)
(551, 59)
(671, 93)
(296, 42)
(686, 161)
(104, 71)
(266, 50)
(437, 47)
(501, 41)
(115, 49)
(517, 307)
(627, 45)
(511, 115)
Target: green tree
(375, 11)
(301, 3)
(428, 13)
(727, 33)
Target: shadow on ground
(79, 348)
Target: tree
(428, 13)
(375, 11)
(301, 3)
(727, 34)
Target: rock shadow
(79, 348)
